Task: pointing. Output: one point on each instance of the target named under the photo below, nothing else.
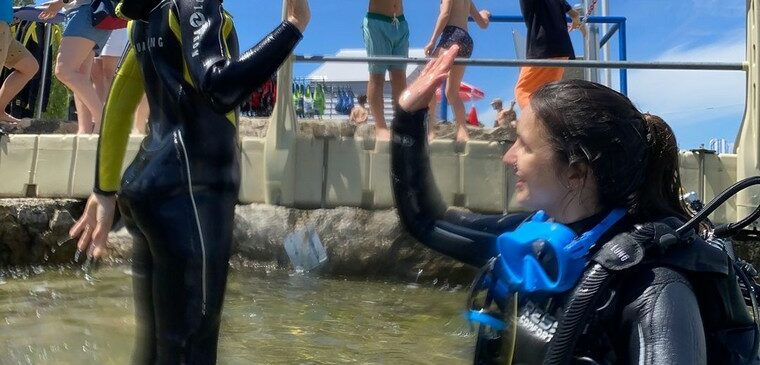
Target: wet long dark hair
(633, 156)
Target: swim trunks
(454, 35)
(386, 36)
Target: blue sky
(699, 105)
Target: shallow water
(57, 317)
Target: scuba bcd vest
(724, 286)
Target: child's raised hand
(299, 13)
(486, 15)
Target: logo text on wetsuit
(535, 320)
(151, 42)
(198, 21)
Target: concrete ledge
(484, 177)
(444, 160)
(252, 170)
(307, 182)
(347, 170)
(379, 176)
(84, 166)
(328, 171)
(17, 154)
(53, 170)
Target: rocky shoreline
(360, 244)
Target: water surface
(58, 317)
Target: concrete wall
(329, 172)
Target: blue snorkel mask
(538, 256)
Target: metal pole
(607, 36)
(586, 41)
(622, 44)
(606, 49)
(712, 66)
(43, 71)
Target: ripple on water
(55, 317)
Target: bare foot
(5, 117)
(382, 134)
(462, 135)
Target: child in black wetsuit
(178, 196)
(451, 27)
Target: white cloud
(689, 97)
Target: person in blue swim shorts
(386, 33)
(79, 46)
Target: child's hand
(299, 13)
(429, 49)
(50, 9)
(486, 15)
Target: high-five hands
(418, 95)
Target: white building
(354, 76)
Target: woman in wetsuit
(178, 195)
(582, 149)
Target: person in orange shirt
(548, 38)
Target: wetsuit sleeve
(118, 115)
(663, 322)
(467, 237)
(226, 81)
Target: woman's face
(541, 181)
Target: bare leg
(84, 116)
(96, 75)
(398, 84)
(23, 71)
(452, 94)
(74, 52)
(106, 70)
(377, 106)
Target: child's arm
(482, 18)
(443, 19)
(577, 24)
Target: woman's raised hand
(418, 95)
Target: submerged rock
(35, 231)
(359, 243)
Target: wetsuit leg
(142, 284)
(190, 253)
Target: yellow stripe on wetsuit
(118, 115)
(227, 28)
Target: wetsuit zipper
(181, 141)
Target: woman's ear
(576, 175)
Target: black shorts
(454, 35)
